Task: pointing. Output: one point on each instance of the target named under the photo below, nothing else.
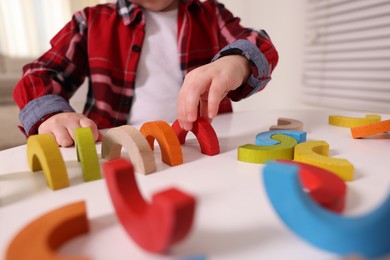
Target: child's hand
(62, 127)
(209, 84)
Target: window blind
(347, 54)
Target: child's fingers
(63, 136)
(216, 93)
(86, 122)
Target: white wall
(284, 22)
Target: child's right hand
(62, 127)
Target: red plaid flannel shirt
(104, 43)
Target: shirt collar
(129, 11)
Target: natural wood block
(203, 132)
(317, 153)
(86, 153)
(44, 154)
(153, 226)
(138, 149)
(169, 143)
(349, 122)
(288, 124)
(41, 238)
(371, 129)
(261, 154)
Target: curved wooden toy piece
(203, 131)
(317, 153)
(44, 154)
(138, 149)
(86, 153)
(156, 226)
(371, 129)
(287, 124)
(265, 138)
(345, 121)
(326, 188)
(41, 238)
(260, 154)
(169, 143)
(367, 235)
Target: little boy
(135, 55)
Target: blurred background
(333, 53)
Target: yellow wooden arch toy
(44, 154)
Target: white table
(234, 219)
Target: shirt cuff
(39, 108)
(258, 63)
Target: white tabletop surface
(234, 219)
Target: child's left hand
(208, 85)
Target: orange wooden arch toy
(41, 238)
(204, 132)
(166, 138)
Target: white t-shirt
(159, 77)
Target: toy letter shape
(44, 154)
(288, 124)
(316, 153)
(349, 122)
(265, 138)
(86, 153)
(367, 235)
(41, 238)
(371, 129)
(260, 154)
(139, 151)
(326, 188)
(205, 134)
(156, 226)
(169, 143)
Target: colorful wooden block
(366, 235)
(41, 238)
(169, 143)
(86, 153)
(261, 154)
(203, 132)
(265, 138)
(288, 124)
(326, 188)
(317, 153)
(349, 122)
(156, 226)
(138, 149)
(371, 129)
(44, 154)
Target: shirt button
(136, 48)
(126, 101)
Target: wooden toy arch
(139, 151)
(41, 238)
(261, 154)
(86, 153)
(203, 132)
(169, 143)
(288, 124)
(326, 188)
(156, 226)
(44, 154)
(366, 235)
(316, 153)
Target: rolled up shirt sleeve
(39, 108)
